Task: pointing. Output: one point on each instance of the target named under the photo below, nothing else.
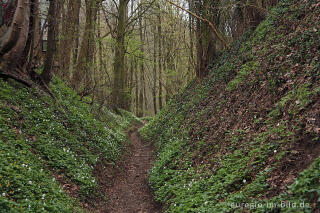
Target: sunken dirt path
(128, 191)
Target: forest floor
(127, 187)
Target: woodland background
(133, 55)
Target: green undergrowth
(247, 138)
(49, 147)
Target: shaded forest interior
(159, 106)
(133, 55)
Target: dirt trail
(129, 191)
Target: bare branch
(212, 26)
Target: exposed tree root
(7, 76)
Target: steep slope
(247, 138)
(49, 148)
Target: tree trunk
(101, 61)
(206, 46)
(120, 98)
(13, 42)
(160, 59)
(154, 89)
(137, 88)
(23, 60)
(191, 25)
(49, 60)
(142, 80)
(69, 37)
(35, 35)
(82, 78)
(76, 30)
(131, 85)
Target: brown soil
(126, 187)
(305, 152)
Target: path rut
(129, 191)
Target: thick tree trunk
(35, 35)
(49, 60)
(206, 40)
(82, 78)
(120, 98)
(22, 62)
(63, 72)
(13, 42)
